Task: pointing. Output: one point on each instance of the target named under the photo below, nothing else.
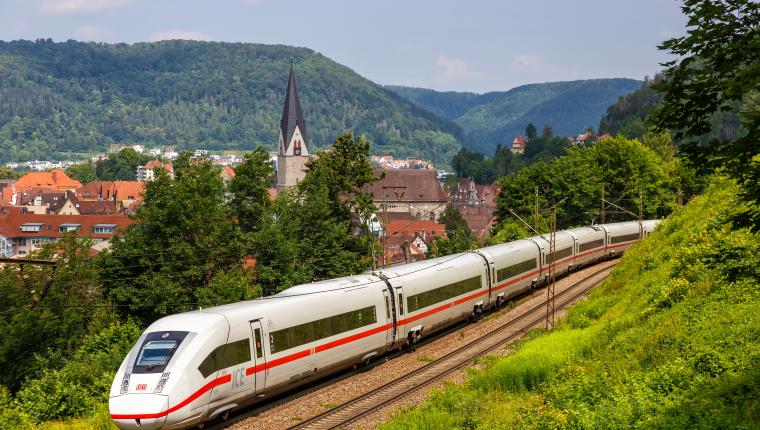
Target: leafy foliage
(182, 248)
(469, 164)
(495, 118)
(75, 97)
(459, 237)
(668, 341)
(84, 172)
(120, 166)
(718, 71)
(316, 236)
(625, 168)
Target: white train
(193, 367)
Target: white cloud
(528, 62)
(179, 34)
(455, 70)
(95, 33)
(79, 6)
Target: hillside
(668, 341)
(497, 117)
(81, 97)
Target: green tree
(83, 172)
(8, 173)
(43, 337)
(182, 250)
(459, 237)
(318, 226)
(718, 69)
(548, 132)
(121, 166)
(249, 189)
(530, 131)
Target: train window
(560, 254)
(400, 303)
(157, 350)
(515, 269)
(225, 356)
(387, 309)
(440, 294)
(591, 245)
(301, 334)
(624, 238)
(257, 343)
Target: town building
(518, 145)
(293, 149)
(145, 173)
(125, 194)
(22, 232)
(54, 180)
(415, 191)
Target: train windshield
(157, 350)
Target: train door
(259, 358)
(390, 316)
(401, 311)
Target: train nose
(139, 411)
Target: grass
(668, 341)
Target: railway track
(353, 410)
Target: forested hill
(80, 97)
(497, 117)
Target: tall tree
(530, 131)
(459, 237)
(319, 225)
(249, 189)
(183, 252)
(548, 132)
(83, 172)
(718, 67)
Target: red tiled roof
(123, 190)
(420, 185)
(478, 218)
(152, 164)
(426, 229)
(11, 220)
(519, 141)
(54, 180)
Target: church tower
(293, 148)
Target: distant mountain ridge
(75, 97)
(497, 117)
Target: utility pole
(679, 196)
(552, 261)
(641, 213)
(36, 296)
(535, 212)
(602, 215)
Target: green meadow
(670, 340)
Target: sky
(466, 45)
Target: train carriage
(514, 268)
(434, 293)
(620, 236)
(563, 253)
(589, 245)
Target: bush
(82, 385)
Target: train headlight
(125, 384)
(161, 382)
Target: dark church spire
(291, 113)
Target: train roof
(516, 245)
(440, 262)
(347, 282)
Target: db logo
(142, 387)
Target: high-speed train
(196, 366)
